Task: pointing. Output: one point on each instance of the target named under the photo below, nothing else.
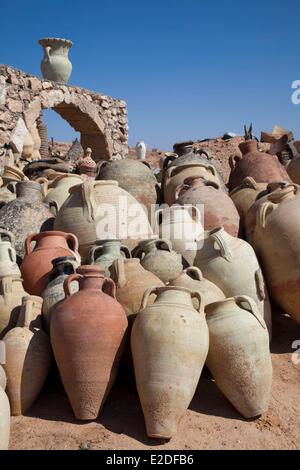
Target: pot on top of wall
(55, 65)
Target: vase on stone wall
(55, 65)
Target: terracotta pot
(4, 420)
(96, 205)
(135, 177)
(105, 252)
(276, 242)
(239, 356)
(8, 256)
(87, 335)
(192, 278)
(183, 227)
(158, 257)
(167, 366)
(262, 167)
(28, 357)
(58, 189)
(231, 264)
(218, 208)
(54, 292)
(11, 294)
(293, 169)
(26, 214)
(37, 263)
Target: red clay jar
(37, 263)
(88, 335)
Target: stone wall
(100, 119)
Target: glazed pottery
(87, 334)
(135, 177)
(293, 169)
(231, 264)
(218, 209)
(11, 294)
(58, 189)
(26, 214)
(4, 420)
(158, 257)
(8, 256)
(63, 267)
(55, 65)
(105, 252)
(28, 357)
(169, 344)
(192, 278)
(262, 167)
(98, 210)
(37, 263)
(239, 356)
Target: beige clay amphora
(239, 356)
(4, 420)
(58, 189)
(3, 380)
(169, 343)
(8, 256)
(11, 294)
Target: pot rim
(50, 41)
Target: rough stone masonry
(100, 119)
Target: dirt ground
(210, 423)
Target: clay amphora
(4, 420)
(98, 210)
(3, 380)
(26, 214)
(63, 267)
(239, 356)
(135, 177)
(28, 357)
(58, 189)
(105, 252)
(37, 263)
(140, 149)
(218, 208)
(158, 257)
(231, 264)
(28, 147)
(183, 227)
(56, 65)
(192, 278)
(87, 335)
(11, 294)
(293, 169)
(8, 256)
(168, 366)
(262, 167)
(276, 242)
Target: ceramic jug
(167, 366)
(105, 252)
(28, 357)
(88, 335)
(239, 356)
(8, 256)
(11, 294)
(56, 65)
(58, 189)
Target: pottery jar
(3, 380)
(218, 209)
(37, 263)
(293, 169)
(169, 343)
(158, 257)
(105, 252)
(8, 256)
(28, 147)
(63, 267)
(87, 335)
(231, 264)
(192, 278)
(98, 210)
(11, 294)
(56, 65)
(58, 189)
(262, 167)
(26, 214)
(28, 357)
(4, 420)
(239, 356)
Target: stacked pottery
(63, 267)
(28, 357)
(218, 208)
(4, 403)
(105, 252)
(37, 263)
(231, 264)
(262, 167)
(11, 294)
(98, 210)
(158, 257)
(26, 214)
(8, 256)
(58, 189)
(239, 356)
(87, 335)
(169, 344)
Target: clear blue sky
(187, 68)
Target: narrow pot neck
(248, 146)
(29, 190)
(175, 296)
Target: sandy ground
(210, 423)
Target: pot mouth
(50, 41)
(209, 233)
(94, 270)
(62, 260)
(34, 298)
(210, 307)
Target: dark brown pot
(87, 335)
